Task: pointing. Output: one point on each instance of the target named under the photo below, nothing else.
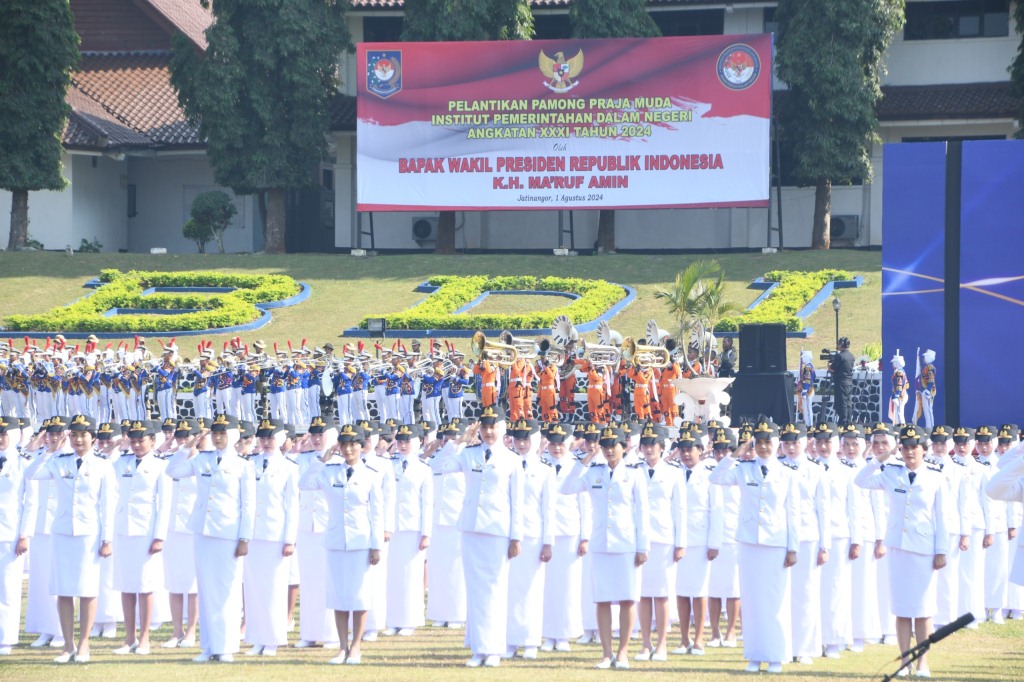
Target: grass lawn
(345, 289)
(991, 653)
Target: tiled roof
(188, 16)
(933, 102)
(125, 99)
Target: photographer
(841, 366)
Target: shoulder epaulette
(789, 465)
(988, 464)
(852, 465)
(26, 456)
(544, 461)
(372, 469)
(333, 464)
(935, 468)
(963, 464)
(633, 466)
(674, 463)
(598, 464)
(65, 454)
(931, 460)
(816, 460)
(710, 467)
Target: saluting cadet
(590, 443)
(996, 543)
(414, 516)
(179, 547)
(864, 570)
(704, 522)
(266, 571)
(378, 460)
(492, 529)
(666, 496)
(17, 522)
(526, 575)
(316, 621)
(143, 516)
(83, 527)
(769, 540)
(976, 516)
(724, 584)
(883, 443)
(1008, 485)
(571, 519)
(917, 536)
(355, 534)
(221, 523)
(620, 538)
(836, 607)
(815, 533)
(41, 605)
(446, 579)
(1008, 439)
(957, 516)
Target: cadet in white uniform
(620, 540)
(355, 534)
(917, 536)
(1008, 439)
(414, 516)
(446, 578)
(377, 459)
(179, 547)
(527, 574)
(769, 540)
(41, 605)
(883, 443)
(316, 621)
(996, 542)
(571, 517)
(957, 516)
(666, 497)
(492, 529)
(83, 528)
(17, 521)
(265, 578)
(1008, 485)
(704, 521)
(222, 524)
(864, 570)
(724, 584)
(976, 515)
(143, 516)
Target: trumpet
(601, 356)
(527, 349)
(422, 368)
(645, 356)
(501, 354)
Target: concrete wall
(99, 202)
(49, 214)
(166, 186)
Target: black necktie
(524, 465)
(688, 472)
(611, 472)
(348, 473)
(266, 461)
(826, 465)
(79, 462)
(487, 455)
(218, 459)
(405, 464)
(912, 477)
(650, 472)
(3, 460)
(558, 467)
(764, 471)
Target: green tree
(211, 214)
(830, 54)
(610, 19)
(260, 94)
(1016, 69)
(458, 20)
(38, 52)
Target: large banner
(574, 124)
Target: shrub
(795, 290)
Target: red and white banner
(574, 124)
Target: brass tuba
(600, 355)
(501, 354)
(527, 349)
(645, 356)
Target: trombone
(645, 356)
(501, 354)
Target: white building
(134, 165)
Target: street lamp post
(835, 307)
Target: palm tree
(685, 299)
(715, 309)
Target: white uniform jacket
(571, 514)
(769, 505)
(705, 512)
(414, 495)
(494, 488)
(917, 521)
(666, 499)
(815, 501)
(313, 511)
(143, 497)
(620, 512)
(225, 492)
(85, 495)
(17, 503)
(538, 500)
(843, 509)
(277, 499)
(355, 503)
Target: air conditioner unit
(844, 227)
(424, 230)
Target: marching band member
(222, 525)
(140, 527)
(355, 534)
(414, 515)
(491, 525)
(83, 527)
(898, 401)
(620, 539)
(456, 387)
(917, 536)
(17, 521)
(547, 390)
(768, 542)
(520, 399)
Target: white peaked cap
(806, 357)
(928, 355)
(898, 361)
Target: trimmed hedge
(795, 290)
(436, 311)
(124, 290)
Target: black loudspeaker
(768, 394)
(762, 348)
(751, 340)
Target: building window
(382, 29)
(771, 24)
(700, 22)
(552, 26)
(957, 19)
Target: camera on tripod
(827, 354)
